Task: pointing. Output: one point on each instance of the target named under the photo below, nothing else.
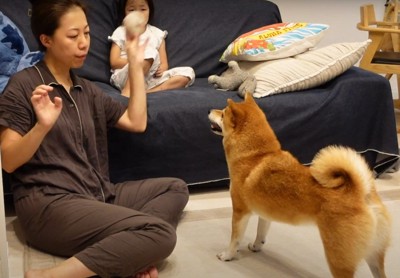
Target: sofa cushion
(306, 70)
(274, 41)
(203, 52)
(103, 19)
(182, 49)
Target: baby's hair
(151, 9)
(122, 10)
(46, 16)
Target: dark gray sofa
(355, 109)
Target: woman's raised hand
(135, 50)
(47, 111)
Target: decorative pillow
(14, 52)
(274, 41)
(305, 70)
(11, 37)
(29, 59)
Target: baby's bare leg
(175, 82)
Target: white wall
(342, 17)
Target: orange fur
(336, 192)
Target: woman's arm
(16, 150)
(134, 118)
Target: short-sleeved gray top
(73, 156)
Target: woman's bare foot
(71, 267)
(151, 272)
(36, 273)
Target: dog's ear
(234, 113)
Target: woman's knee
(159, 242)
(180, 184)
(181, 187)
(168, 239)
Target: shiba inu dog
(336, 192)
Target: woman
(53, 136)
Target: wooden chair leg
(397, 101)
(397, 104)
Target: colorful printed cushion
(14, 51)
(274, 41)
(305, 70)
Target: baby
(158, 75)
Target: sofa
(354, 109)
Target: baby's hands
(47, 111)
(160, 71)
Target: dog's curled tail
(335, 166)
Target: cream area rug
(290, 251)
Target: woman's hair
(122, 10)
(46, 16)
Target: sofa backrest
(199, 30)
(102, 18)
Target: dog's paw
(225, 256)
(256, 246)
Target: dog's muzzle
(215, 128)
(214, 119)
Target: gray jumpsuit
(64, 200)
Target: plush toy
(234, 79)
(134, 23)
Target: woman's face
(140, 6)
(70, 42)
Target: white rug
(289, 251)
(205, 230)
